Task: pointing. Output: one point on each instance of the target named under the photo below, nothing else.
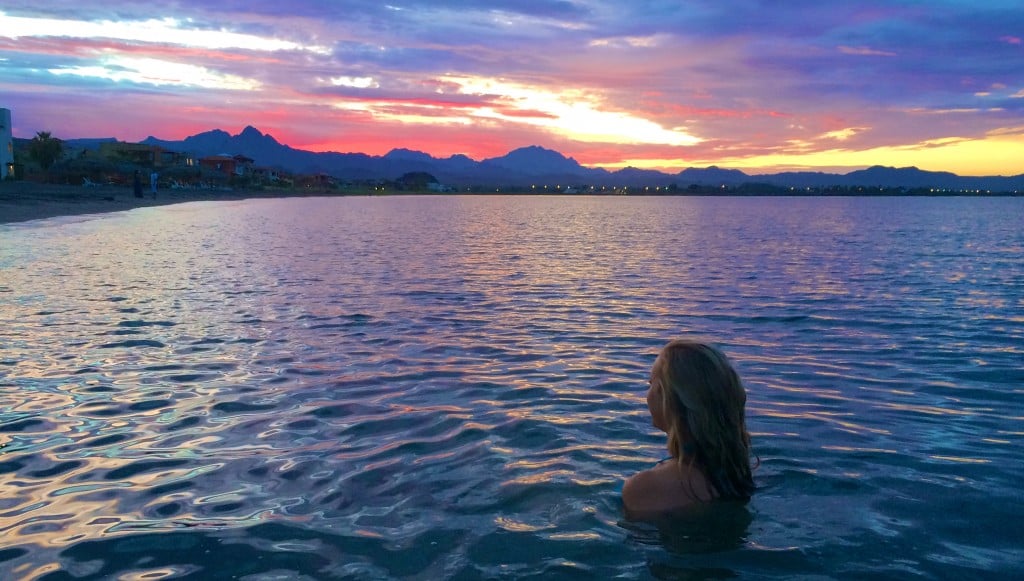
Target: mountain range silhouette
(537, 165)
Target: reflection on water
(454, 386)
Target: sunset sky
(761, 86)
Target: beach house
(229, 165)
(6, 145)
(145, 155)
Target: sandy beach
(22, 201)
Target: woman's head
(697, 398)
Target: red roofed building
(229, 165)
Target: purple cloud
(760, 74)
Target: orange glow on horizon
(968, 157)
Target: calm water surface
(453, 387)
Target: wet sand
(22, 201)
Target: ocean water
(453, 387)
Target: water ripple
(453, 387)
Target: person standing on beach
(137, 184)
(152, 182)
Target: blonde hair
(704, 402)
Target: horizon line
(611, 168)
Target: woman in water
(697, 398)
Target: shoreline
(24, 201)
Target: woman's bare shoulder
(653, 490)
(663, 488)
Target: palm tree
(45, 149)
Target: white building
(6, 145)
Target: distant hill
(267, 151)
(712, 176)
(632, 176)
(891, 177)
(536, 165)
(536, 161)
